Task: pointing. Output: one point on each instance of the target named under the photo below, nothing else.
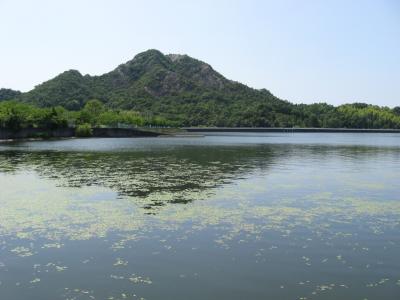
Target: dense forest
(173, 90)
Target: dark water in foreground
(247, 216)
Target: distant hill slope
(6, 94)
(182, 89)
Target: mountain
(171, 85)
(190, 92)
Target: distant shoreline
(45, 134)
(288, 130)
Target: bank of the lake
(288, 129)
(45, 133)
(99, 132)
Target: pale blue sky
(302, 51)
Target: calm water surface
(239, 216)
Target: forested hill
(187, 91)
(6, 94)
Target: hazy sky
(302, 51)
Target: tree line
(16, 115)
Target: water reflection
(141, 174)
(312, 221)
(178, 171)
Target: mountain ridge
(171, 69)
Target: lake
(224, 216)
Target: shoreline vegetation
(26, 121)
(22, 121)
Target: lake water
(238, 216)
